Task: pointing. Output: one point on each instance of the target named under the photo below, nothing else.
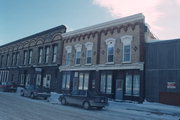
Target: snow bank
(18, 91)
(54, 98)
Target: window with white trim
(40, 55)
(25, 58)
(68, 54)
(78, 48)
(30, 57)
(89, 46)
(47, 54)
(54, 58)
(126, 40)
(110, 49)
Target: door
(119, 89)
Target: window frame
(54, 53)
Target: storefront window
(128, 84)
(106, 83)
(136, 85)
(66, 80)
(38, 79)
(109, 83)
(103, 79)
(132, 85)
(83, 81)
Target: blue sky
(22, 18)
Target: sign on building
(171, 85)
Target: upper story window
(30, 56)
(25, 58)
(13, 59)
(40, 55)
(110, 49)
(78, 48)
(17, 58)
(7, 59)
(126, 40)
(54, 58)
(47, 54)
(68, 54)
(89, 46)
(2, 59)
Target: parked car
(33, 91)
(8, 87)
(85, 98)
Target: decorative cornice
(106, 25)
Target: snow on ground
(145, 111)
(54, 98)
(157, 110)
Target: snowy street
(15, 107)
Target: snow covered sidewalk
(157, 110)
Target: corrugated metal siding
(162, 65)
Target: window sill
(77, 64)
(109, 63)
(88, 64)
(126, 62)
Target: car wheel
(99, 108)
(32, 95)
(86, 105)
(63, 101)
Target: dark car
(35, 92)
(8, 87)
(84, 98)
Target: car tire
(63, 101)
(32, 96)
(86, 105)
(99, 108)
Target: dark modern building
(34, 59)
(162, 71)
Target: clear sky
(22, 18)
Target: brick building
(108, 57)
(34, 59)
